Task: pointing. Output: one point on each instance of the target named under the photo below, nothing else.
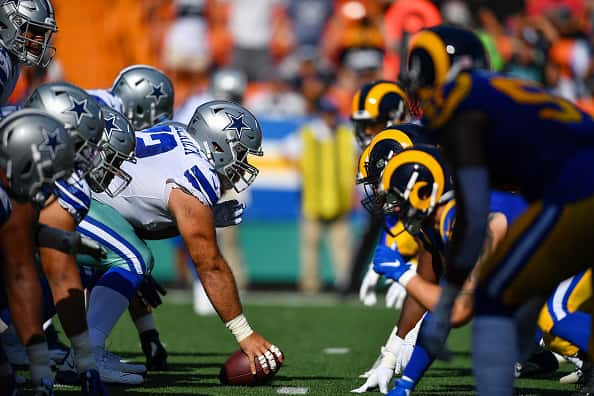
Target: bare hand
(257, 348)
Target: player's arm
(62, 273)
(196, 227)
(427, 293)
(20, 273)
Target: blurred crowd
(294, 52)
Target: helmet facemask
(107, 176)
(31, 42)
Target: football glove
(150, 291)
(395, 296)
(228, 213)
(367, 289)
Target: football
(236, 371)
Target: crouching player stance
(35, 151)
(184, 185)
(410, 182)
(497, 130)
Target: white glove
(395, 296)
(381, 375)
(367, 290)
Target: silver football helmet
(35, 151)
(117, 145)
(80, 114)
(228, 84)
(26, 28)
(228, 132)
(147, 95)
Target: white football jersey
(166, 157)
(107, 98)
(9, 74)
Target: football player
(186, 184)
(377, 105)
(35, 151)
(411, 185)
(25, 39)
(498, 130)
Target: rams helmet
(377, 104)
(439, 53)
(414, 182)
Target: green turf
(198, 345)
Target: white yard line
(291, 390)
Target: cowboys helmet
(80, 114)
(439, 53)
(228, 132)
(117, 145)
(35, 151)
(375, 106)
(147, 95)
(414, 182)
(26, 28)
(228, 84)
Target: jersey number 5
(553, 108)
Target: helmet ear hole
(27, 168)
(217, 148)
(139, 110)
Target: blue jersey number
(154, 143)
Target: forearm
(426, 293)
(20, 274)
(63, 277)
(220, 287)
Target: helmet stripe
(416, 157)
(435, 47)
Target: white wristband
(239, 327)
(407, 276)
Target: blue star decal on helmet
(52, 142)
(157, 92)
(110, 126)
(237, 124)
(79, 109)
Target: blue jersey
(508, 204)
(9, 74)
(5, 111)
(539, 143)
(74, 195)
(5, 206)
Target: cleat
(114, 362)
(155, 352)
(540, 364)
(572, 378)
(67, 373)
(92, 384)
(403, 387)
(45, 388)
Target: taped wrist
(239, 327)
(407, 276)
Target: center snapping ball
(236, 371)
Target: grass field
(303, 329)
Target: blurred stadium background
(295, 52)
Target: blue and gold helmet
(378, 104)
(382, 148)
(439, 52)
(414, 182)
